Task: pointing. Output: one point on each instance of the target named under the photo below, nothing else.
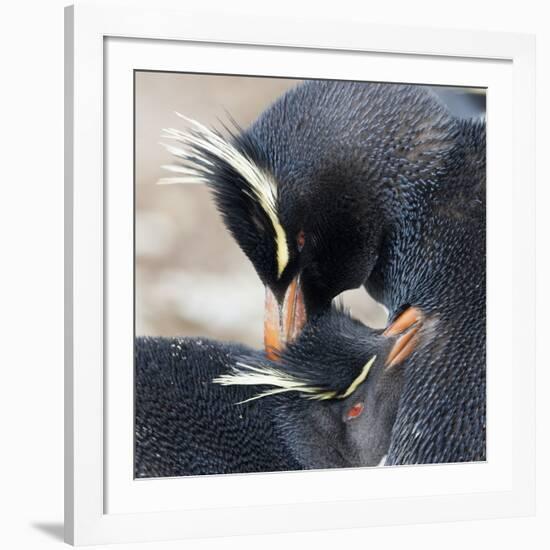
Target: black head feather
(317, 381)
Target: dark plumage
(435, 259)
(186, 424)
(348, 159)
(376, 185)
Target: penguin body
(436, 260)
(186, 425)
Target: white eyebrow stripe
(262, 184)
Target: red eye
(355, 411)
(301, 240)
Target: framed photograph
(299, 274)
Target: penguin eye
(300, 240)
(355, 411)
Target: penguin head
(334, 395)
(307, 242)
(311, 189)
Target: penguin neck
(434, 259)
(434, 252)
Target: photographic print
(310, 274)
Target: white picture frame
(104, 45)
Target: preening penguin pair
(329, 401)
(339, 185)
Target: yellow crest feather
(261, 183)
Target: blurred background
(191, 277)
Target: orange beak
(406, 327)
(284, 321)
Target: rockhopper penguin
(205, 407)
